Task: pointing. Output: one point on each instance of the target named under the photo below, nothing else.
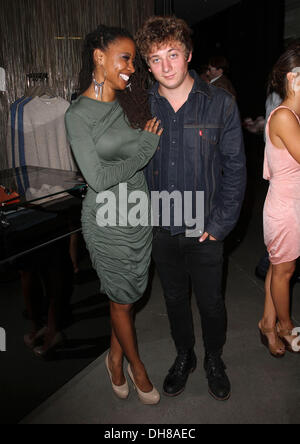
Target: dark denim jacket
(214, 156)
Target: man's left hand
(205, 236)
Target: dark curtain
(46, 36)
(251, 35)
(164, 7)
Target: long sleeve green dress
(109, 152)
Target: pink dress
(282, 206)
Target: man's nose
(166, 66)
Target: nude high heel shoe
(151, 398)
(121, 391)
(264, 340)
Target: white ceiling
(193, 11)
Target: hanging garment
(45, 137)
(38, 135)
(3, 130)
(2, 79)
(15, 143)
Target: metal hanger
(37, 86)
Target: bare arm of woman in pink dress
(285, 127)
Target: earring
(129, 87)
(98, 87)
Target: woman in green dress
(112, 143)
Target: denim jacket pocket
(208, 133)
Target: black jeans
(178, 260)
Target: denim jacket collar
(199, 87)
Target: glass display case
(38, 206)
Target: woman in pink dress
(282, 206)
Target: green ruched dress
(109, 152)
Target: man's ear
(190, 56)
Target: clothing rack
(36, 77)
(38, 85)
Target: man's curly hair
(158, 31)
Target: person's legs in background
(74, 240)
(33, 292)
(57, 275)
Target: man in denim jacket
(201, 149)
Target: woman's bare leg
(280, 290)
(115, 360)
(124, 337)
(270, 316)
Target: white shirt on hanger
(45, 139)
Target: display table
(38, 206)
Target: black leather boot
(218, 382)
(185, 364)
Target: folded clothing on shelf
(45, 194)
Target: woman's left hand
(152, 126)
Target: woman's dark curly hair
(289, 60)
(134, 100)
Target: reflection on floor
(27, 381)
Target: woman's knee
(284, 271)
(121, 308)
